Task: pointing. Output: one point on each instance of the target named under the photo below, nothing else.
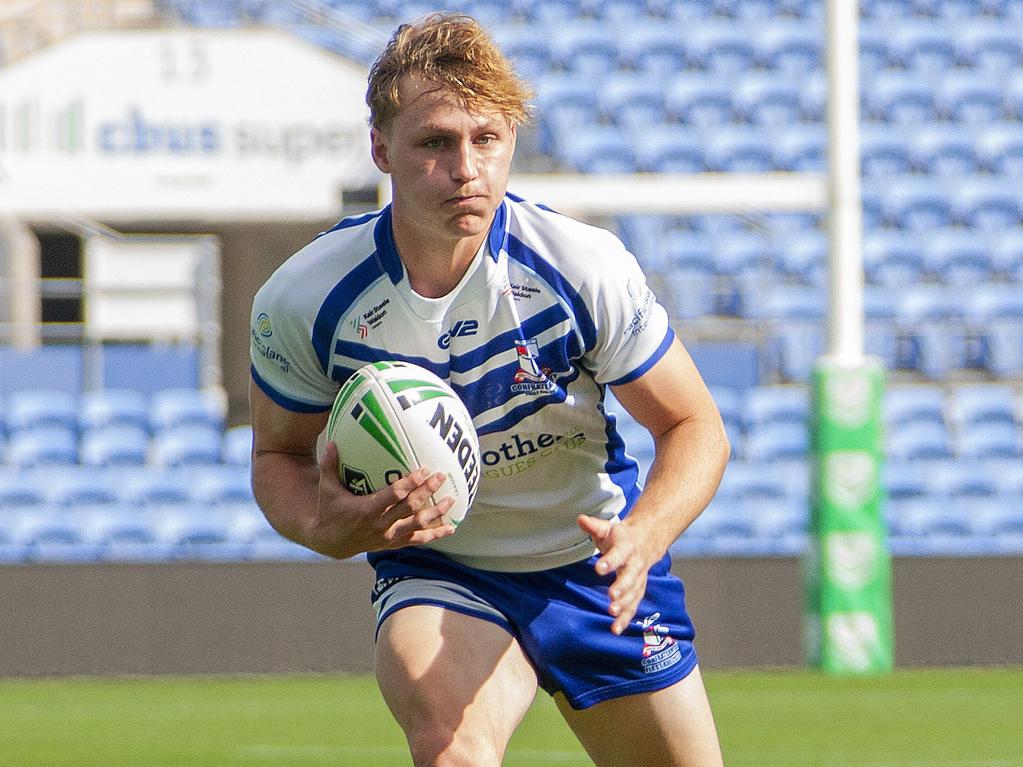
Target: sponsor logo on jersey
(375, 314)
(265, 350)
(641, 317)
(460, 329)
(360, 327)
(660, 650)
(530, 378)
(521, 453)
(263, 325)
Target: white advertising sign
(183, 125)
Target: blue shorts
(559, 618)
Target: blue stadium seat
(813, 89)
(957, 257)
(197, 534)
(990, 47)
(986, 204)
(776, 441)
(49, 535)
(963, 479)
(487, 12)
(963, 97)
(764, 98)
(982, 441)
(973, 404)
(923, 47)
(881, 338)
(248, 528)
(669, 148)
(766, 404)
(1013, 89)
(123, 534)
(905, 479)
(117, 445)
(587, 49)
(217, 487)
(943, 149)
(699, 101)
(917, 204)
(155, 489)
(633, 101)
(790, 47)
(171, 408)
(796, 331)
(653, 49)
(43, 446)
(874, 50)
(110, 407)
(189, 445)
(600, 149)
(238, 445)
(687, 11)
(803, 256)
(802, 148)
(739, 149)
(565, 103)
(721, 48)
(1000, 148)
(728, 401)
(995, 312)
(887, 10)
(619, 13)
(892, 258)
(939, 530)
(550, 13)
(17, 491)
(955, 10)
(931, 320)
(919, 440)
(691, 291)
(529, 52)
(1007, 253)
(884, 150)
(914, 403)
(896, 96)
(41, 408)
(72, 489)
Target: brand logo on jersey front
(460, 329)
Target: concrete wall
(316, 617)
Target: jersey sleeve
(632, 328)
(284, 362)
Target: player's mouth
(465, 200)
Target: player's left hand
(624, 554)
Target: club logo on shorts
(660, 650)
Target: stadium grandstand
(131, 445)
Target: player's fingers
(398, 490)
(417, 498)
(594, 527)
(425, 525)
(619, 549)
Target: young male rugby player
(558, 577)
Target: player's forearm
(689, 461)
(286, 488)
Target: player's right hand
(399, 515)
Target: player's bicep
(669, 393)
(278, 430)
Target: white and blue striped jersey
(549, 312)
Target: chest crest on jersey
(532, 378)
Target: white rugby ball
(390, 418)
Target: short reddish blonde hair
(457, 54)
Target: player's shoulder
(562, 240)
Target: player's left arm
(690, 453)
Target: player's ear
(378, 143)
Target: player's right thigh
(458, 685)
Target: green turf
(950, 717)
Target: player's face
(449, 167)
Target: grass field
(918, 718)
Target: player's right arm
(304, 500)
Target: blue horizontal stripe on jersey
(519, 251)
(294, 405)
(493, 388)
(365, 354)
(530, 328)
(337, 302)
(536, 403)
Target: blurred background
(159, 158)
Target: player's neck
(434, 265)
